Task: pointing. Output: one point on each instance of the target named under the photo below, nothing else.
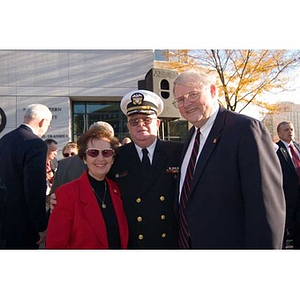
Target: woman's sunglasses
(69, 154)
(93, 152)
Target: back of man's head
(37, 112)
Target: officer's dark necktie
(183, 224)
(296, 159)
(145, 161)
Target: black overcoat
(23, 172)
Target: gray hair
(38, 112)
(194, 77)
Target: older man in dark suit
(230, 192)
(291, 186)
(23, 161)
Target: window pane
(96, 107)
(173, 130)
(78, 107)
(78, 125)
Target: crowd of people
(224, 188)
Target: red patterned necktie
(183, 224)
(296, 159)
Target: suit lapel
(158, 163)
(133, 165)
(132, 161)
(92, 210)
(286, 155)
(210, 144)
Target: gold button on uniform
(141, 236)
(139, 219)
(162, 198)
(163, 235)
(138, 200)
(163, 217)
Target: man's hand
(42, 239)
(53, 202)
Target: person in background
(22, 161)
(126, 140)
(70, 149)
(229, 193)
(288, 154)
(51, 162)
(89, 213)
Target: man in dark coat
(23, 173)
(148, 195)
(3, 192)
(233, 196)
(285, 131)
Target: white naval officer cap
(141, 102)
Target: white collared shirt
(204, 132)
(33, 130)
(150, 151)
(287, 145)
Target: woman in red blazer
(89, 213)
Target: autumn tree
(243, 75)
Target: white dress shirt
(287, 145)
(150, 151)
(204, 132)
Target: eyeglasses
(93, 152)
(191, 96)
(69, 154)
(136, 121)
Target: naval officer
(146, 171)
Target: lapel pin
(214, 140)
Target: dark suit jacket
(290, 184)
(3, 192)
(77, 221)
(23, 161)
(236, 199)
(149, 202)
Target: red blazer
(77, 222)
